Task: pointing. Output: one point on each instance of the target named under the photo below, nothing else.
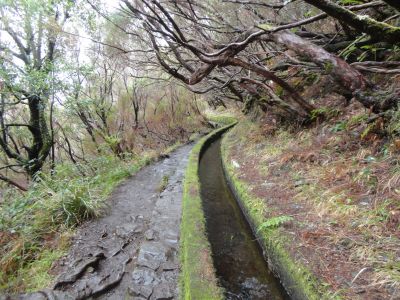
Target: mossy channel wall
(198, 279)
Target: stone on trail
(169, 266)
(162, 292)
(127, 230)
(152, 254)
(143, 276)
(141, 290)
(149, 235)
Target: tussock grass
(35, 226)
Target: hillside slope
(333, 190)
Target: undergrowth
(294, 276)
(35, 226)
(340, 181)
(222, 118)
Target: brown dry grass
(342, 189)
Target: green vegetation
(198, 280)
(324, 112)
(163, 184)
(88, 95)
(274, 222)
(222, 119)
(39, 222)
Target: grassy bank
(325, 202)
(198, 280)
(296, 278)
(36, 227)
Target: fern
(350, 2)
(274, 222)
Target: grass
(163, 183)
(35, 274)
(296, 278)
(34, 227)
(344, 187)
(198, 279)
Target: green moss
(221, 119)
(266, 27)
(198, 279)
(163, 183)
(328, 67)
(311, 78)
(296, 278)
(324, 112)
(279, 91)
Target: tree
(31, 33)
(226, 52)
(189, 56)
(379, 31)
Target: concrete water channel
(239, 262)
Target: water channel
(239, 262)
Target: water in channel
(238, 258)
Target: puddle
(238, 258)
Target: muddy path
(131, 252)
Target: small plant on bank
(324, 112)
(163, 184)
(274, 222)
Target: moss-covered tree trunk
(378, 30)
(41, 138)
(350, 78)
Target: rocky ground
(132, 252)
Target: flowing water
(238, 259)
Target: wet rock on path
(132, 252)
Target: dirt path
(131, 253)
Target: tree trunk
(42, 143)
(14, 183)
(378, 30)
(350, 78)
(303, 104)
